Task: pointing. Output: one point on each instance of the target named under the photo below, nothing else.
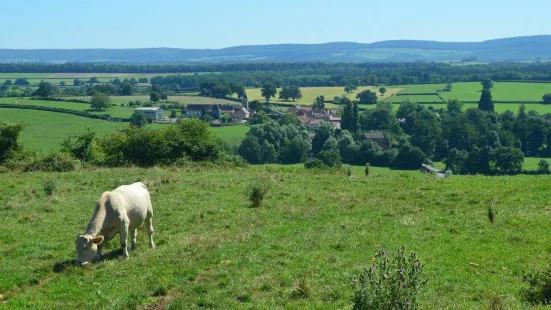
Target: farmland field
(46, 130)
(315, 232)
(310, 93)
(122, 112)
(180, 99)
(233, 135)
(415, 98)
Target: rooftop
(149, 109)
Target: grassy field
(45, 130)
(315, 228)
(415, 98)
(470, 91)
(180, 99)
(122, 112)
(499, 107)
(310, 93)
(233, 135)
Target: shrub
(56, 162)
(547, 98)
(349, 173)
(315, 163)
(258, 192)
(390, 283)
(49, 186)
(367, 169)
(9, 140)
(491, 214)
(543, 167)
(539, 287)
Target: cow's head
(87, 247)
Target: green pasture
(300, 250)
(233, 135)
(309, 94)
(46, 130)
(116, 111)
(181, 99)
(415, 98)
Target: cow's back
(134, 199)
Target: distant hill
(511, 49)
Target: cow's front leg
(124, 234)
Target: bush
(390, 283)
(258, 192)
(330, 158)
(9, 140)
(547, 98)
(56, 162)
(543, 167)
(366, 170)
(315, 164)
(49, 186)
(539, 287)
(409, 157)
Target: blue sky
(218, 23)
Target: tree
(21, 81)
(448, 87)
(225, 118)
(9, 140)
(507, 160)
(285, 93)
(76, 82)
(156, 88)
(543, 166)
(454, 107)
(382, 90)
(100, 101)
(409, 158)
(289, 119)
(62, 83)
(268, 91)
(94, 80)
(154, 96)
(319, 103)
(295, 92)
(323, 133)
(133, 81)
(45, 89)
(547, 98)
(295, 151)
(486, 103)
(116, 82)
(256, 105)
(330, 158)
(138, 119)
(126, 89)
(350, 88)
(173, 114)
(350, 117)
(164, 97)
(7, 82)
(238, 89)
(367, 97)
(487, 84)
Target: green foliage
(390, 283)
(538, 291)
(138, 119)
(290, 92)
(268, 91)
(54, 162)
(154, 96)
(126, 89)
(350, 116)
(48, 185)
(315, 163)
(543, 166)
(256, 105)
(367, 97)
(330, 158)
(319, 103)
(173, 114)
(80, 146)
(409, 157)
(507, 160)
(486, 103)
(491, 214)
(366, 170)
(382, 90)
(45, 90)
(258, 191)
(9, 140)
(547, 98)
(100, 101)
(487, 84)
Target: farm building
(198, 110)
(377, 137)
(154, 113)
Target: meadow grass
(115, 111)
(415, 98)
(232, 135)
(46, 130)
(309, 94)
(181, 99)
(314, 230)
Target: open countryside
(186, 157)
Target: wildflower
(403, 284)
(416, 265)
(372, 267)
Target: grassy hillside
(316, 228)
(46, 130)
(310, 93)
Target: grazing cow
(119, 211)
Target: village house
(377, 137)
(314, 118)
(199, 110)
(153, 113)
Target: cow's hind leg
(133, 233)
(149, 223)
(124, 233)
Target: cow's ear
(98, 240)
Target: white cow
(119, 211)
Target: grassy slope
(215, 252)
(310, 93)
(233, 135)
(123, 112)
(46, 130)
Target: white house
(154, 113)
